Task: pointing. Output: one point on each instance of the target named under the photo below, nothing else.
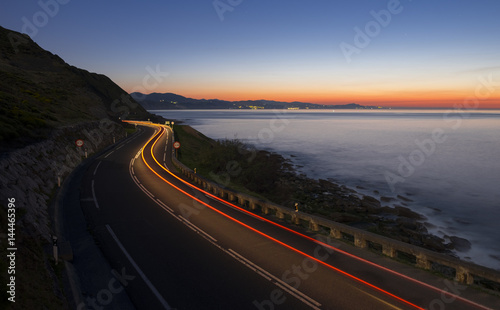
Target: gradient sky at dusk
(430, 53)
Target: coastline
(350, 206)
(451, 188)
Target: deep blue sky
(430, 52)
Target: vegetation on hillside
(234, 164)
(40, 92)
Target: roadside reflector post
(54, 249)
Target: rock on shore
(386, 216)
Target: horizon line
(423, 105)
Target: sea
(443, 164)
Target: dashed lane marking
(160, 298)
(98, 164)
(93, 195)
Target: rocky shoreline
(387, 216)
(274, 177)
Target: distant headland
(170, 101)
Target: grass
(34, 285)
(40, 92)
(233, 164)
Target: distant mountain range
(170, 101)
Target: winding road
(178, 247)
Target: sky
(393, 53)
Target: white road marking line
(138, 183)
(93, 195)
(263, 273)
(164, 205)
(162, 301)
(230, 252)
(196, 228)
(98, 164)
(285, 286)
(143, 188)
(298, 296)
(109, 154)
(376, 298)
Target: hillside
(169, 101)
(45, 105)
(40, 92)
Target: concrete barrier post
(335, 233)
(465, 272)
(360, 241)
(252, 205)
(388, 250)
(463, 276)
(313, 226)
(423, 262)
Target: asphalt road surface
(176, 247)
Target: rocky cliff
(45, 106)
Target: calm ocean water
(446, 162)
